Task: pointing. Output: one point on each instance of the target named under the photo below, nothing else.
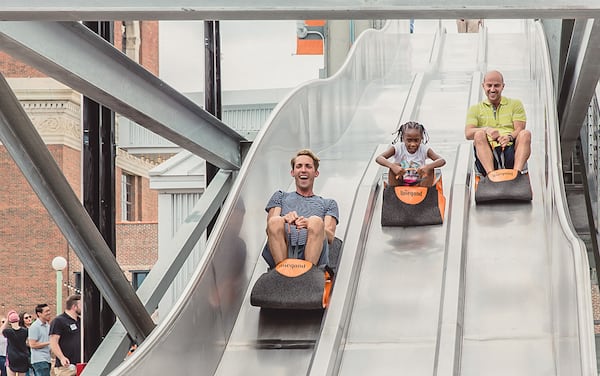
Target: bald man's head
(493, 84)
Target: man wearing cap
(17, 350)
(39, 341)
(65, 337)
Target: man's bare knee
(275, 224)
(316, 225)
(524, 137)
(480, 137)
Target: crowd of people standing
(28, 344)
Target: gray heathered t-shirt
(41, 333)
(305, 207)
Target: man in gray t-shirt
(39, 341)
(300, 221)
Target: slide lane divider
(450, 327)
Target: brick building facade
(29, 239)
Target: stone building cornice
(55, 111)
(132, 164)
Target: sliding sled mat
(503, 185)
(413, 206)
(293, 284)
(335, 252)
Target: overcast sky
(254, 55)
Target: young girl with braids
(407, 159)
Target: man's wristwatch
(511, 137)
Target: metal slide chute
(498, 289)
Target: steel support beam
(111, 350)
(582, 72)
(98, 166)
(212, 87)
(31, 155)
(74, 10)
(72, 54)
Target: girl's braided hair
(410, 125)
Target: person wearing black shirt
(65, 337)
(17, 351)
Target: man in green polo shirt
(497, 124)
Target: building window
(137, 277)
(127, 197)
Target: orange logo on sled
(411, 195)
(502, 175)
(293, 267)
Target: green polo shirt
(509, 110)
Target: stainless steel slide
(495, 290)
